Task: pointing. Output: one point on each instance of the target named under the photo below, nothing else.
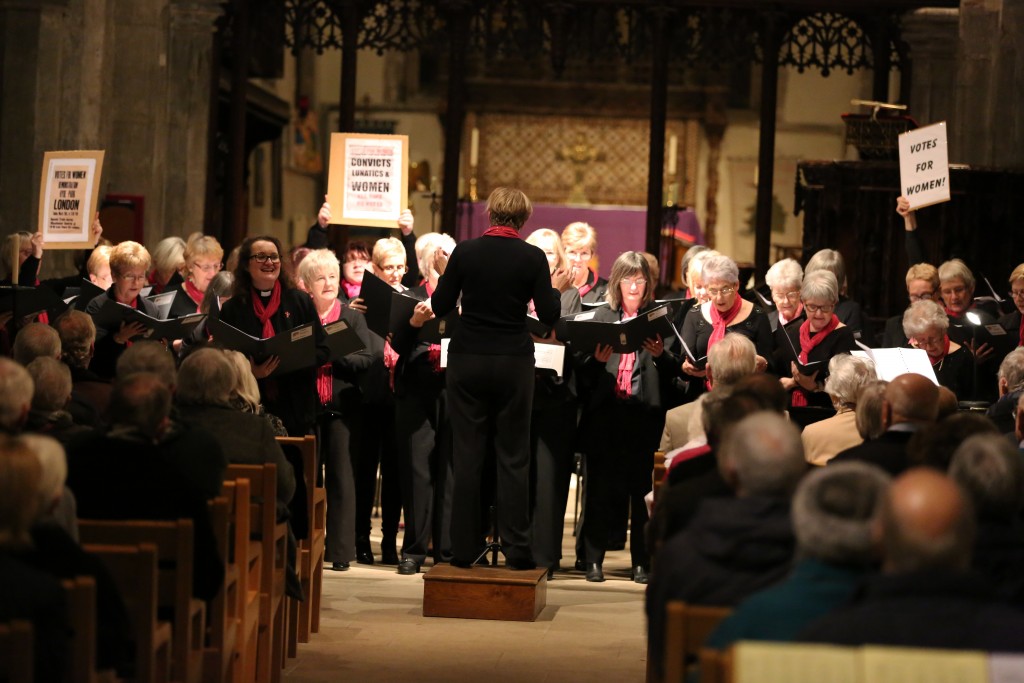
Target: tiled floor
(372, 629)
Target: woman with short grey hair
(927, 327)
(823, 440)
(814, 342)
(848, 311)
(785, 279)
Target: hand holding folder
(627, 336)
(295, 348)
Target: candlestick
(462, 187)
(673, 143)
(474, 147)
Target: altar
(619, 228)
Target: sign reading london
(69, 198)
(924, 166)
(367, 178)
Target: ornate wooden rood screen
(675, 42)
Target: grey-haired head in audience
(762, 455)
(989, 469)
(834, 510)
(847, 375)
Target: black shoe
(363, 553)
(340, 566)
(595, 573)
(388, 554)
(408, 567)
(639, 575)
(581, 564)
(463, 564)
(520, 564)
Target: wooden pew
(175, 554)
(16, 663)
(81, 599)
(304, 617)
(658, 474)
(247, 554)
(271, 535)
(134, 570)
(222, 615)
(715, 666)
(687, 627)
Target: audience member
(25, 592)
(59, 507)
(733, 546)
(948, 403)
(728, 361)
(15, 396)
(90, 393)
(1011, 388)
(911, 401)
(123, 475)
(869, 409)
(825, 438)
(834, 510)
(991, 473)
(36, 340)
(51, 380)
(925, 596)
(934, 444)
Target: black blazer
(840, 340)
(889, 451)
(107, 351)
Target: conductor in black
(490, 373)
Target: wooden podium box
(484, 593)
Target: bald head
(927, 523)
(911, 398)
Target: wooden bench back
(16, 652)
(687, 627)
(81, 599)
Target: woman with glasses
(1013, 323)
(203, 257)
(579, 240)
(622, 418)
(816, 340)
(926, 326)
(847, 310)
(129, 263)
(265, 303)
(725, 311)
(922, 285)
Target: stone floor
(372, 629)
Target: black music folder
(435, 329)
(79, 297)
(112, 314)
(25, 301)
(805, 369)
(342, 339)
(376, 296)
(296, 348)
(623, 336)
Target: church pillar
(988, 122)
(31, 76)
(659, 107)
(931, 35)
(770, 41)
(458, 16)
(236, 203)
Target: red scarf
(935, 360)
(501, 231)
(390, 361)
(352, 289)
(808, 342)
(720, 322)
(952, 314)
(194, 293)
(264, 313)
(1021, 330)
(325, 374)
(785, 321)
(624, 378)
(434, 351)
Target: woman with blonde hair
(202, 257)
(580, 243)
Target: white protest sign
(924, 166)
(367, 180)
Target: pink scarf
(720, 322)
(624, 378)
(434, 351)
(325, 374)
(785, 321)
(264, 313)
(194, 294)
(351, 288)
(390, 361)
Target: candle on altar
(474, 147)
(673, 143)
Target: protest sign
(366, 183)
(924, 166)
(69, 198)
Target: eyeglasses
(953, 291)
(634, 282)
(929, 341)
(133, 278)
(724, 291)
(793, 296)
(921, 297)
(392, 269)
(574, 255)
(209, 267)
(815, 308)
(263, 258)
(1016, 293)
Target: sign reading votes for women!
(366, 183)
(924, 166)
(68, 198)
